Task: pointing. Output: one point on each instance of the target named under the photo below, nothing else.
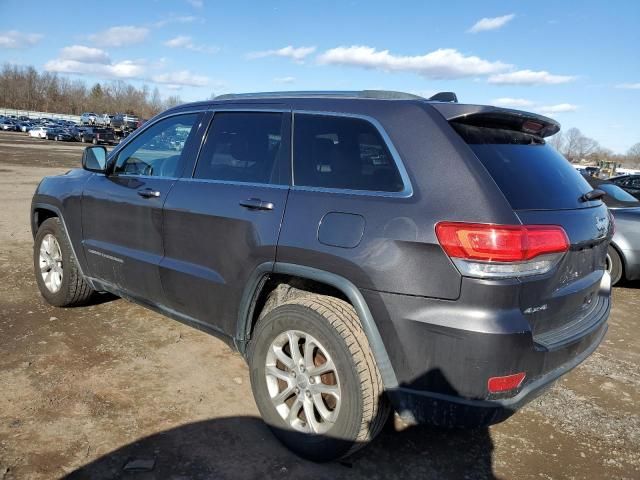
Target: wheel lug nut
(312, 380)
(307, 393)
(293, 374)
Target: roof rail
(450, 97)
(370, 94)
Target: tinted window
(531, 174)
(245, 147)
(156, 151)
(342, 152)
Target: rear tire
(354, 416)
(614, 265)
(51, 246)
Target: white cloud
(512, 102)
(529, 77)
(183, 41)
(120, 36)
(284, 79)
(441, 63)
(491, 23)
(183, 77)
(177, 19)
(123, 69)
(80, 53)
(629, 86)
(83, 60)
(15, 39)
(196, 3)
(297, 54)
(559, 108)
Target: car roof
(444, 102)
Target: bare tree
(24, 88)
(557, 141)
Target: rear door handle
(256, 204)
(149, 193)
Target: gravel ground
(93, 392)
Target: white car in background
(38, 132)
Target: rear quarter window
(339, 152)
(531, 174)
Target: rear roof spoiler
(496, 117)
(444, 97)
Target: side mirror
(94, 159)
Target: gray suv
(364, 251)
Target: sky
(578, 62)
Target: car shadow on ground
(243, 447)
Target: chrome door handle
(256, 204)
(149, 193)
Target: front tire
(314, 378)
(614, 265)
(57, 273)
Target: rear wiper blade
(592, 195)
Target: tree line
(577, 147)
(24, 88)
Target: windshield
(531, 174)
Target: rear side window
(531, 174)
(342, 152)
(246, 147)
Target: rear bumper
(416, 406)
(444, 352)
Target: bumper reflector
(504, 384)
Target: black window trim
(213, 111)
(112, 158)
(407, 190)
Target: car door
(122, 210)
(223, 220)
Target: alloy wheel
(303, 382)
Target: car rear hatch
(572, 298)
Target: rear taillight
(499, 251)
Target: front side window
(342, 152)
(248, 147)
(157, 151)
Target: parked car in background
(95, 135)
(25, 126)
(455, 297)
(38, 132)
(59, 134)
(623, 256)
(629, 183)
(104, 120)
(88, 118)
(9, 125)
(123, 121)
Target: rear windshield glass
(531, 174)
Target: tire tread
(344, 319)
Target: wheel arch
(258, 289)
(43, 211)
